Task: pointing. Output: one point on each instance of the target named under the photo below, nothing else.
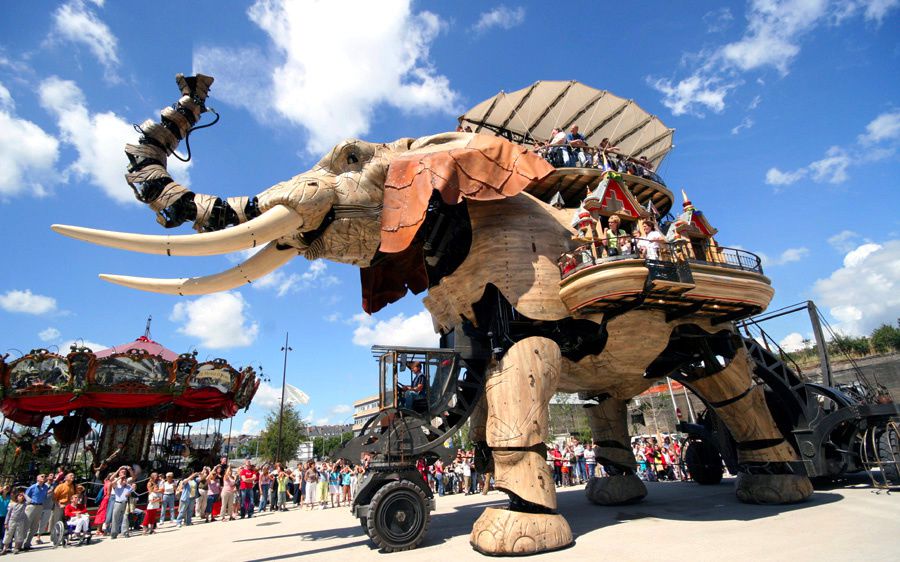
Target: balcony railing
(565, 156)
(679, 252)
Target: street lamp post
(285, 349)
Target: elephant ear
(483, 169)
(459, 167)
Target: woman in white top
(650, 241)
(168, 497)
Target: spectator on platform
(614, 237)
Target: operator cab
(416, 379)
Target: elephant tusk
(271, 225)
(265, 261)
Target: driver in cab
(416, 390)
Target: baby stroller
(63, 534)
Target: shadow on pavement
(676, 501)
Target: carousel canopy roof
(141, 380)
(532, 113)
(143, 343)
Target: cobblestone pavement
(692, 522)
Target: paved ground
(677, 521)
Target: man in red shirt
(248, 477)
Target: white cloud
(50, 334)
(413, 331)
(857, 256)
(865, 292)
(772, 39)
(75, 22)
(718, 20)
(283, 283)
(776, 177)
(26, 302)
(884, 127)
(788, 256)
(875, 10)
(694, 93)
(6, 101)
(745, 123)
(98, 138)
(877, 143)
(844, 241)
(832, 168)
(267, 396)
(250, 427)
(500, 17)
(27, 153)
(794, 342)
(342, 409)
(219, 321)
(332, 66)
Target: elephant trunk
(149, 178)
(175, 204)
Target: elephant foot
(773, 488)
(501, 532)
(616, 490)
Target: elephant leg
(611, 445)
(518, 392)
(742, 407)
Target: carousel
(135, 403)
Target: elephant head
(363, 204)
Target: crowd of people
(570, 150)
(223, 493)
(26, 513)
(124, 506)
(657, 460)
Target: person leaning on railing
(614, 237)
(650, 241)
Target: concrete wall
(883, 369)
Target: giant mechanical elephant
(449, 214)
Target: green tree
(848, 345)
(886, 338)
(293, 432)
(324, 446)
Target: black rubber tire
(364, 521)
(398, 516)
(704, 463)
(887, 442)
(58, 534)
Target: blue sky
(787, 117)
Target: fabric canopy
(532, 113)
(192, 405)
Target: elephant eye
(352, 158)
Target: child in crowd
(16, 524)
